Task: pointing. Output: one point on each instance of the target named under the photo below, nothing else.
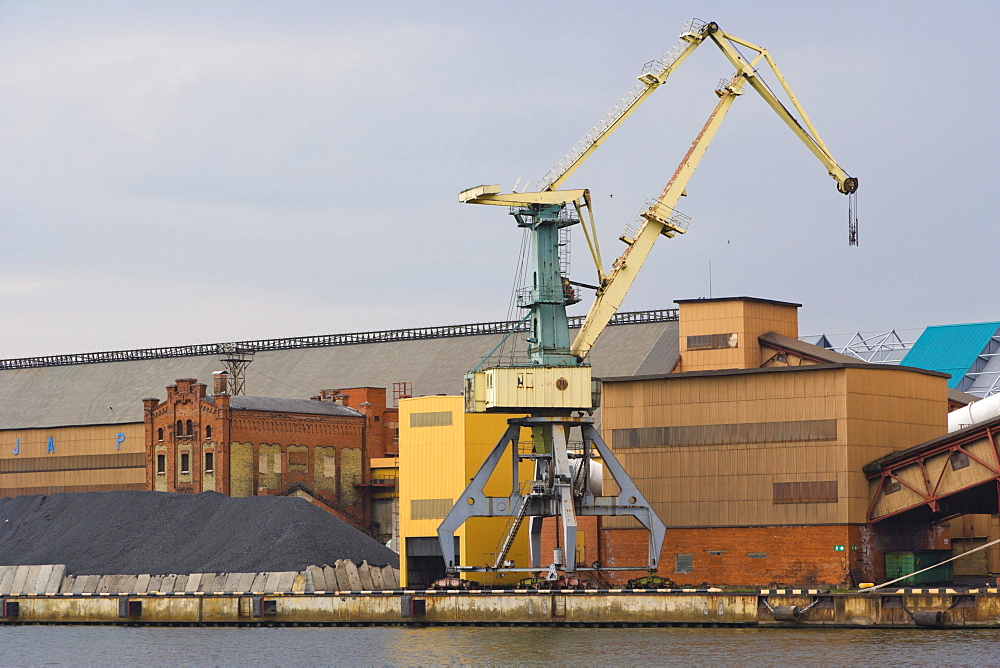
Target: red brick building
(319, 448)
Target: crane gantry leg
(562, 487)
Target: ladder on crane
(512, 528)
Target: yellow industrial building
(445, 446)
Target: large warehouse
(75, 422)
(755, 448)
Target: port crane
(553, 384)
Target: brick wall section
(269, 452)
(795, 555)
(587, 546)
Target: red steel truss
(887, 469)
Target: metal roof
(112, 392)
(758, 300)
(802, 348)
(804, 368)
(280, 405)
(951, 349)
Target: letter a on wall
(52, 446)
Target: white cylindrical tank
(595, 481)
(976, 412)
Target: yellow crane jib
(660, 217)
(492, 195)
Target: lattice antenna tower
(236, 359)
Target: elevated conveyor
(947, 476)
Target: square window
(959, 460)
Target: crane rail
(354, 338)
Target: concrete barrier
(343, 576)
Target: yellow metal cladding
(760, 447)
(440, 449)
(734, 326)
(100, 457)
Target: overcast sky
(188, 172)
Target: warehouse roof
(776, 369)
(112, 392)
(775, 340)
(280, 405)
(951, 348)
(759, 300)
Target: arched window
(180, 428)
(159, 434)
(190, 426)
(208, 432)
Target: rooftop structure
(969, 353)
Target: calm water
(103, 646)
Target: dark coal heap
(131, 533)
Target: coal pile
(132, 533)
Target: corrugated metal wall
(722, 450)
(72, 459)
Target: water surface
(491, 646)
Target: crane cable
(519, 280)
(852, 218)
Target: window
(685, 563)
(433, 419)
(159, 434)
(209, 462)
(959, 460)
(185, 463)
(180, 428)
(892, 486)
(161, 464)
(190, 428)
(813, 491)
(208, 431)
(712, 341)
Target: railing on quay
(320, 341)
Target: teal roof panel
(951, 349)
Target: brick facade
(748, 556)
(251, 446)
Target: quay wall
(900, 608)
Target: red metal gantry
(937, 473)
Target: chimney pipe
(221, 383)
